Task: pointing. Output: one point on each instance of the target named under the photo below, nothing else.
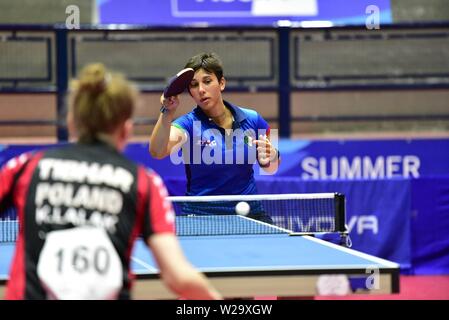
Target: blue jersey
(218, 161)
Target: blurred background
(358, 89)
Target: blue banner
(430, 225)
(241, 12)
(364, 159)
(322, 160)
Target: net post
(340, 219)
(340, 212)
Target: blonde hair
(100, 101)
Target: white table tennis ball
(242, 208)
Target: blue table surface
(251, 252)
(246, 252)
(263, 252)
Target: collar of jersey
(238, 114)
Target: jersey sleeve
(159, 214)
(184, 123)
(9, 174)
(262, 124)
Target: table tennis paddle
(179, 82)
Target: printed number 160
(82, 260)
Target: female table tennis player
(217, 137)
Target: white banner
(284, 8)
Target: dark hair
(100, 101)
(208, 61)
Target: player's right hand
(170, 103)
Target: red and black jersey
(77, 185)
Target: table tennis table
(248, 265)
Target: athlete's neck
(224, 119)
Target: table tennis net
(216, 215)
(8, 226)
(277, 213)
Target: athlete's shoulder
(17, 161)
(242, 112)
(21, 160)
(189, 116)
(186, 121)
(13, 169)
(249, 113)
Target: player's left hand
(266, 153)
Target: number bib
(80, 263)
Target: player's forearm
(186, 281)
(160, 136)
(196, 286)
